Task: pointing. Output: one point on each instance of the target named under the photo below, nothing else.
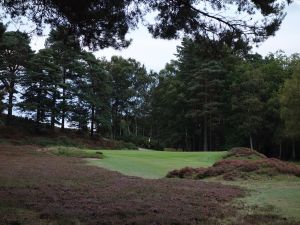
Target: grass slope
(153, 164)
(281, 193)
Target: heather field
(62, 186)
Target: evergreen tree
(202, 71)
(15, 53)
(246, 103)
(93, 89)
(290, 107)
(67, 50)
(40, 87)
(127, 76)
(102, 24)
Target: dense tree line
(213, 96)
(65, 86)
(216, 97)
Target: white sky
(155, 53)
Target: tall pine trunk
(186, 140)
(10, 87)
(251, 141)
(136, 127)
(294, 150)
(205, 147)
(92, 120)
(53, 114)
(38, 118)
(52, 122)
(10, 106)
(280, 150)
(38, 109)
(205, 125)
(63, 115)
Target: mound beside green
(240, 163)
(77, 152)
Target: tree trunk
(38, 118)
(92, 121)
(136, 127)
(280, 150)
(53, 114)
(294, 150)
(63, 114)
(52, 123)
(205, 147)
(186, 140)
(112, 124)
(128, 129)
(210, 147)
(120, 129)
(251, 141)
(205, 135)
(10, 106)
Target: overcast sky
(155, 53)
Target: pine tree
(247, 106)
(67, 50)
(40, 87)
(290, 107)
(93, 90)
(15, 53)
(202, 70)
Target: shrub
(75, 152)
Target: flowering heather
(240, 163)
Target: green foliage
(290, 101)
(188, 101)
(41, 86)
(214, 96)
(15, 53)
(195, 18)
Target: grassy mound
(240, 163)
(241, 153)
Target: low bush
(123, 145)
(75, 152)
(186, 172)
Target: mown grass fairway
(281, 193)
(153, 164)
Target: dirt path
(66, 190)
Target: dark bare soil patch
(64, 189)
(240, 163)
